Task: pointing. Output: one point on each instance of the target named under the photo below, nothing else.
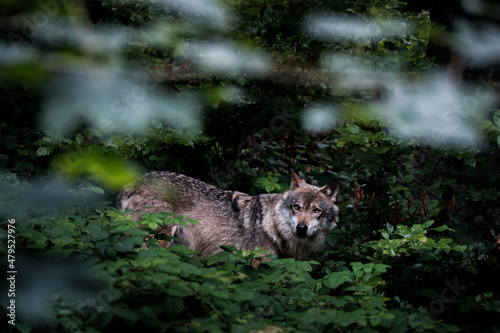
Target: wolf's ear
(296, 181)
(331, 190)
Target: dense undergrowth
(417, 248)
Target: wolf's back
(171, 192)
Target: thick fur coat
(291, 224)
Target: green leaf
(221, 256)
(357, 316)
(115, 142)
(470, 161)
(94, 189)
(125, 313)
(381, 268)
(107, 170)
(177, 291)
(427, 224)
(408, 178)
(336, 279)
(95, 236)
(79, 138)
(192, 221)
(367, 268)
(353, 128)
(430, 293)
(356, 266)
(308, 295)
(173, 306)
(443, 228)
(451, 327)
(44, 151)
(243, 295)
(496, 120)
(481, 297)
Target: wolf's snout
(301, 230)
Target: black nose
(301, 230)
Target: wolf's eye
(316, 210)
(296, 206)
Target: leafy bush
(237, 93)
(169, 290)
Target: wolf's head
(311, 210)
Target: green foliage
(411, 239)
(106, 170)
(75, 154)
(167, 289)
(417, 248)
(269, 183)
(492, 128)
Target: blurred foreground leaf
(108, 171)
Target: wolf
(292, 224)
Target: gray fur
(235, 218)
